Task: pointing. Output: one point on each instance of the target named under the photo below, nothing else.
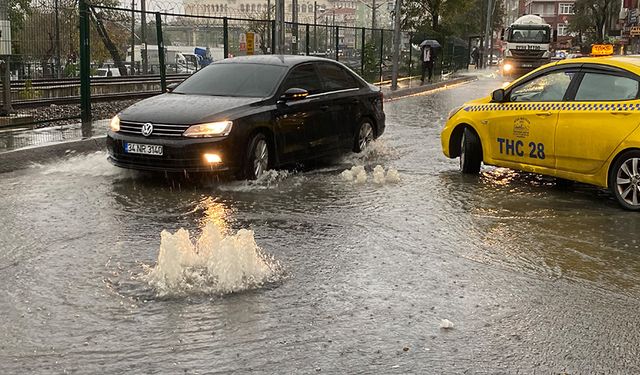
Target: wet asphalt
(535, 277)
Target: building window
(242, 7)
(563, 29)
(567, 9)
(259, 7)
(304, 8)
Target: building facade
(514, 9)
(330, 12)
(557, 13)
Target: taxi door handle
(543, 114)
(618, 113)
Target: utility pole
(5, 54)
(294, 32)
(373, 15)
(279, 35)
(315, 26)
(143, 36)
(57, 15)
(133, 37)
(268, 36)
(396, 46)
(487, 33)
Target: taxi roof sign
(602, 50)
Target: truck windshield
(529, 35)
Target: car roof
(630, 63)
(283, 60)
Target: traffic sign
(243, 42)
(250, 43)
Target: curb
(421, 89)
(22, 158)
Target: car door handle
(544, 114)
(619, 113)
(324, 108)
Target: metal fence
(130, 54)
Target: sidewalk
(21, 146)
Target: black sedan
(248, 114)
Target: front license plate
(137, 148)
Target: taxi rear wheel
(624, 180)
(470, 152)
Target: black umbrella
(430, 42)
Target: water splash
(215, 264)
(358, 175)
(269, 180)
(377, 150)
(93, 165)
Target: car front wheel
(624, 180)
(470, 152)
(364, 136)
(258, 157)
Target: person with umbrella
(428, 57)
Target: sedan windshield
(232, 79)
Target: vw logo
(147, 129)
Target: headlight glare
(114, 124)
(211, 129)
(507, 67)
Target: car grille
(159, 130)
(527, 53)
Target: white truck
(528, 45)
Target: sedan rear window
(228, 79)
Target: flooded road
(354, 272)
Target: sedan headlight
(211, 129)
(454, 111)
(114, 125)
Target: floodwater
(387, 262)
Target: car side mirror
(293, 94)
(172, 86)
(498, 96)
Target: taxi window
(546, 88)
(604, 87)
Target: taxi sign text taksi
(601, 50)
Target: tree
(592, 16)
(18, 10)
(443, 18)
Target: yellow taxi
(574, 119)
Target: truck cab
(528, 45)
